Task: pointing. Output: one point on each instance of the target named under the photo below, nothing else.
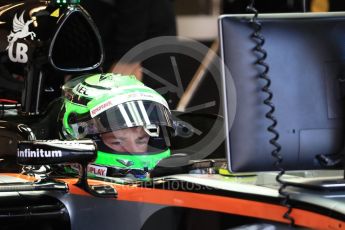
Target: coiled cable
(258, 49)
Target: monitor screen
(306, 59)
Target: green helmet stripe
(137, 161)
(72, 108)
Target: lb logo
(17, 51)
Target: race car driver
(130, 122)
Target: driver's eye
(142, 140)
(116, 143)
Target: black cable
(258, 49)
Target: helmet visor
(148, 114)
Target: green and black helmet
(104, 104)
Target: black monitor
(306, 59)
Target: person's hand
(128, 69)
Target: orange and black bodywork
(173, 204)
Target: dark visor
(130, 114)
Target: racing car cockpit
(48, 43)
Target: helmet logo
(97, 170)
(20, 30)
(126, 163)
(101, 108)
(102, 77)
(82, 90)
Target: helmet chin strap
(152, 130)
